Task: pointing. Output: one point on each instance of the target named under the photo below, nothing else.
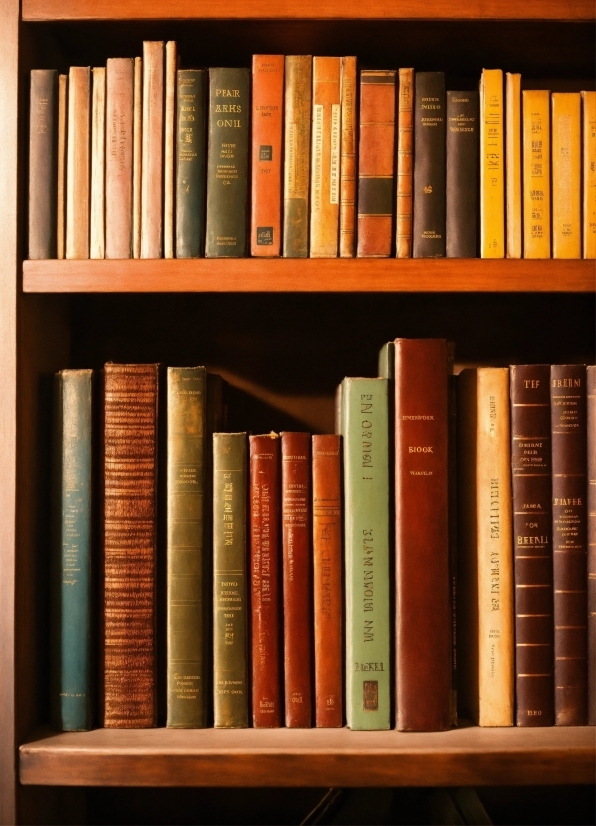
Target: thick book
(297, 114)
(98, 163)
(589, 174)
(152, 155)
(77, 162)
(267, 124)
(265, 577)
(405, 164)
(591, 468)
(513, 165)
(230, 648)
(325, 157)
(485, 558)
(296, 519)
(169, 150)
(536, 173)
(347, 190)
(327, 579)
(72, 564)
(569, 452)
(492, 165)
(191, 157)
(462, 175)
(376, 163)
(119, 156)
(566, 174)
(61, 182)
(43, 163)
(429, 166)
(137, 155)
(129, 539)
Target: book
(405, 164)
(169, 148)
(589, 174)
(227, 163)
(137, 155)
(591, 467)
(325, 157)
(566, 174)
(513, 165)
(191, 149)
(429, 166)
(61, 180)
(230, 651)
(536, 173)
(347, 192)
(129, 539)
(98, 158)
(327, 580)
(296, 520)
(376, 163)
(492, 159)
(462, 175)
(43, 134)
(485, 558)
(152, 157)
(77, 163)
(72, 562)
(119, 156)
(297, 115)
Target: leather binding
(169, 149)
(405, 165)
(536, 172)
(265, 574)
(297, 103)
(591, 394)
(61, 183)
(423, 589)
(513, 166)
(137, 155)
(492, 162)
(129, 546)
(77, 163)
(230, 653)
(267, 123)
(119, 152)
(296, 506)
(191, 148)
(589, 174)
(429, 166)
(98, 160)
(568, 421)
(462, 174)
(566, 173)
(347, 195)
(152, 158)
(43, 134)
(326, 156)
(327, 579)
(376, 163)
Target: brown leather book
(78, 162)
(349, 122)
(591, 378)
(265, 572)
(327, 577)
(297, 114)
(119, 148)
(152, 162)
(325, 157)
(423, 590)
(129, 546)
(43, 134)
(297, 594)
(405, 144)
(568, 421)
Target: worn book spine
(61, 171)
(591, 467)
(462, 174)
(119, 156)
(227, 163)
(326, 157)
(492, 165)
(191, 156)
(297, 103)
(152, 154)
(423, 587)
(589, 174)
(98, 163)
(513, 165)
(536, 173)
(137, 155)
(405, 164)
(486, 652)
(72, 587)
(376, 163)
(43, 135)
(566, 174)
(347, 190)
(265, 576)
(128, 661)
(327, 580)
(230, 650)
(169, 144)
(429, 166)
(569, 443)
(77, 162)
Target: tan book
(325, 157)
(77, 163)
(168, 176)
(589, 174)
(405, 136)
(492, 163)
(566, 174)
(536, 186)
(98, 156)
(137, 155)
(349, 121)
(152, 160)
(119, 156)
(513, 167)
(297, 114)
(61, 206)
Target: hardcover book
(297, 104)
(462, 174)
(591, 399)
(152, 158)
(98, 156)
(589, 174)
(61, 183)
(326, 154)
(349, 121)
(78, 162)
(119, 156)
(191, 157)
(169, 148)
(405, 164)
(43, 134)
(137, 155)
(536, 166)
(492, 165)
(429, 166)
(513, 165)
(566, 174)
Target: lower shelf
(467, 756)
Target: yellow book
(589, 174)
(513, 174)
(492, 157)
(566, 173)
(536, 191)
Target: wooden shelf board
(309, 757)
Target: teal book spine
(72, 609)
(365, 431)
(191, 159)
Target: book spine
(566, 173)
(492, 161)
(591, 466)
(98, 157)
(531, 465)
(297, 101)
(191, 146)
(462, 174)
(327, 580)
(513, 165)
(43, 134)
(137, 155)
(119, 156)
(347, 202)
(326, 156)
(568, 422)
(61, 181)
(230, 654)
(77, 163)
(589, 174)
(405, 164)
(429, 166)
(265, 573)
(536, 173)
(376, 159)
(169, 142)
(423, 590)
(129, 546)
(152, 158)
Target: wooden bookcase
(285, 331)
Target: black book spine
(462, 174)
(191, 146)
(43, 163)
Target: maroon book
(591, 372)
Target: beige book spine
(566, 174)
(492, 157)
(137, 156)
(325, 157)
(536, 187)
(168, 178)
(61, 188)
(513, 167)
(347, 207)
(405, 146)
(98, 156)
(77, 163)
(152, 154)
(589, 174)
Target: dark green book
(191, 146)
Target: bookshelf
(285, 330)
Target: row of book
(467, 574)
(141, 159)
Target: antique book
(98, 163)
(492, 161)
(405, 164)
(296, 511)
(536, 173)
(347, 190)
(191, 157)
(589, 174)
(297, 114)
(169, 149)
(485, 559)
(327, 580)
(325, 157)
(227, 163)
(462, 175)
(376, 163)
(566, 174)
(77, 162)
(129, 539)
(137, 155)
(72, 565)
(591, 467)
(61, 181)
(152, 157)
(265, 576)
(119, 156)
(43, 163)
(513, 165)
(429, 166)
(230, 650)
(569, 452)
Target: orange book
(589, 174)
(347, 206)
(325, 157)
(566, 174)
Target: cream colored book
(137, 153)
(98, 168)
(152, 153)
(589, 174)
(169, 126)
(492, 165)
(61, 187)
(77, 163)
(513, 167)
(536, 186)
(566, 174)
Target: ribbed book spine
(325, 157)
(347, 203)
(429, 166)
(152, 157)
(513, 165)
(591, 394)
(492, 165)
(119, 156)
(137, 155)
(169, 145)
(462, 174)
(589, 174)
(191, 157)
(43, 134)
(78, 162)
(98, 160)
(566, 166)
(536, 171)
(61, 184)
(297, 104)
(405, 164)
